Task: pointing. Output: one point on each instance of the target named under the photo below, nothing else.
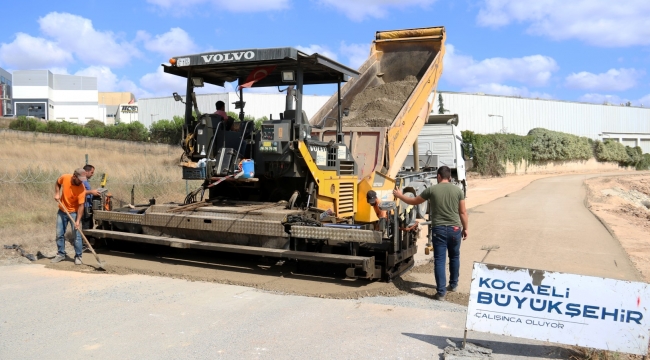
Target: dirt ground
(623, 204)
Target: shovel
(99, 262)
(489, 248)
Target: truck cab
(440, 144)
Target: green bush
(610, 150)
(492, 151)
(94, 124)
(259, 121)
(167, 131)
(550, 145)
(134, 131)
(634, 155)
(24, 124)
(644, 164)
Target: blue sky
(579, 50)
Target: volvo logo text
(232, 56)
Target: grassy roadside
(31, 163)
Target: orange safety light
(172, 61)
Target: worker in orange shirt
(371, 197)
(69, 191)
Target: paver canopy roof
(220, 67)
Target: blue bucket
(248, 167)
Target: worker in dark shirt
(449, 221)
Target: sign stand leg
(465, 339)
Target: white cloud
(464, 71)
(28, 52)
(227, 5)
(602, 99)
(499, 89)
(159, 84)
(172, 43)
(358, 10)
(644, 101)
(323, 50)
(106, 79)
(597, 22)
(612, 80)
(77, 35)
(356, 53)
(59, 70)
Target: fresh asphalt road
(52, 314)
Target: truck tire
(417, 188)
(422, 210)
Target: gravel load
(378, 106)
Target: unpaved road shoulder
(619, 203)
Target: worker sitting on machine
(371, 197)
(221, 111)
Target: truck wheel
(417, 188)
(422, 210)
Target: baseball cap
(371, 197)
(80, 173)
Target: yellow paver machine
(295, 188)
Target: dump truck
(298, 189)
(440, 143)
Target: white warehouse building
(485, 114)
(41, 94)
(257, 105)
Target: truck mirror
(471, 151)
(177, 97)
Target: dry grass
(30, 164)
(4, 122)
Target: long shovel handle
(99, 262)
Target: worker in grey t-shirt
(448, 213)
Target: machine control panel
(274, 136)
(268, 132)
(273, 147)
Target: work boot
(452, 289)
(58, 258)
(77, 260)
(439, 297)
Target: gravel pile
(635, 197)
(378, 106)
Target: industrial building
(257, 105)
(6, 107)
(485, 114)
(72, 98)
(41, 94)
(109, 104)
(481, 113)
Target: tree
(258, 122)
(441, 105)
